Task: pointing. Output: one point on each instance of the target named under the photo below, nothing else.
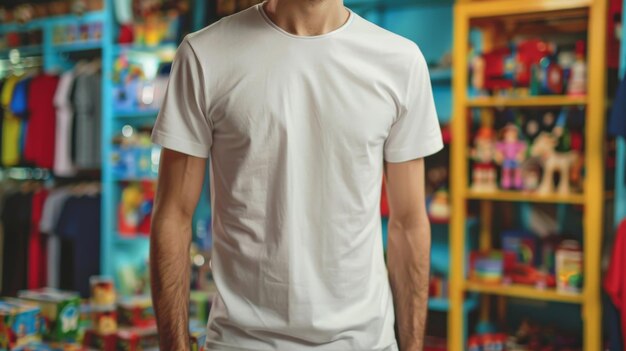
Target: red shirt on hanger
(40, 132)
(615, 279)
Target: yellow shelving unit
(587, 15)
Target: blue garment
(78, 228)
(19, 100)
(617, 122)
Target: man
(301, 106)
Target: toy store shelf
(440, 75)
(523, 291)
(28, 50)
(443, 304)
(93, 16)
(470, 222)
(135, 113)
(153, 49)
(125, 238)
(78, 46)
(526, 197)
(530, 101)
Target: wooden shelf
(518, 196)
(442, 304)
(523, 291)
(530, 101)
(78, 46)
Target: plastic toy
(510, 154)
(487, 267)
(137, 339)
(569, 267)
(577, 85)
(93, 340)
(529, 53)
(102, 291)
(136, 312)
(19, 323)
(59, 312)
(552, 161)
(105, 321)
(439, 207)
(483, 154)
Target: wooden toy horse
(553, 161)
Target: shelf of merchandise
(516, 196)
(26, 50)
(530, 101)
(443, 304)
(114, 245)
(593, 196)
(523, 291)
(620, 169)
(78, 46)
(125, 239)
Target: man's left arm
(408, 250)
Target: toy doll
(483, 154)
(510, 153)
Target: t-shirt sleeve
(415, 133)
(182, 124)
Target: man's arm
(178, 190)
(408, 250)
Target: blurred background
(527, 243)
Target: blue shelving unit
(620, 171)
(119, 251)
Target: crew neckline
(267, 19)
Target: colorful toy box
(136, 311)
(200, 305)
(95, 341)
(137, 339)
(41, 346)
(102, 291)
(19, 323)
(569, 267)
(60, 311)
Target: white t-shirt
(297, 129)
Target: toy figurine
(510, 154)
(577, 85)
(484, 170)
(553, 161)
(439, 207)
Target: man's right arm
(178, 190)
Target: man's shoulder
(385, 41)
(225, 30)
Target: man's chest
(329, 100)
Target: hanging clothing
(53, 206)
(11, 126)
(63, 165)
(41, 134)
(617, 121)
(37, 253)
(19, 107)
(86, 98)
(16, 219)
(615, 279)
(79, 229)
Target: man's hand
(408, 250)
(178, 190)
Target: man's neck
(307, 17)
